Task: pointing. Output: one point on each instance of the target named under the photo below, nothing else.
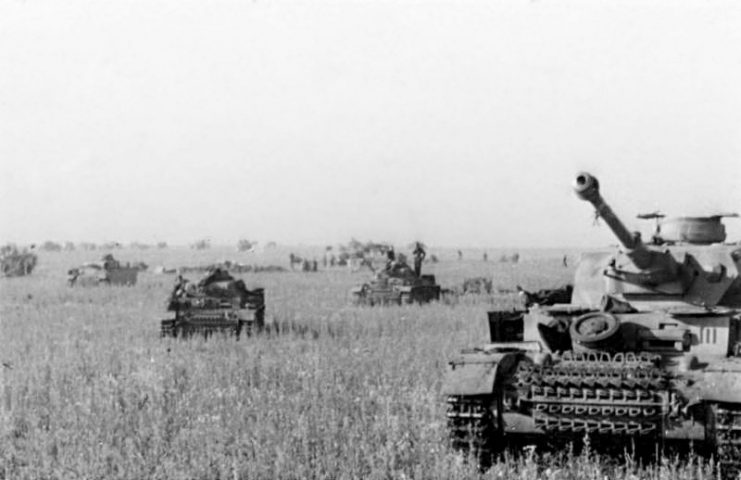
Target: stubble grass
(89, 390)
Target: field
(88, 389)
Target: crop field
(89, 390)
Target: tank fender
(719, 382)
(476, 373)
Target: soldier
(390, 259)
(419, 256)
(109, 263)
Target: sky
(457, 123)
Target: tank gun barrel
(587, 188)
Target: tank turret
(691, 273)
(646, 266)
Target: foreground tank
(218, 303)
(397, 285)
(646, 352)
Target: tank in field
(647, 352)
(397, 284)
(218, 303)
(107, 271)
(16, 263)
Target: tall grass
(89, 390)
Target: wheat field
(89, 390)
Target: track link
(472, 428)
(728, 439)
(596, 393)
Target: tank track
(728, 439)
(621, 394)
(471, 426)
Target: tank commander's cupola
(702, 230)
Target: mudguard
(476, 373)
(720, 382)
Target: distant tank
(646, 352)
(15, 263)
(397, 284)
(218, 303)
(107, 271)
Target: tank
(107, 271)
(15, 263)
(646, 352)
(217, 303)
(397, 284)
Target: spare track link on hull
(188, 330)
(471, 426)
(596, 393)
(728, 438)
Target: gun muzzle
(587, 188)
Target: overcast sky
(458, 123)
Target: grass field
(88, 389)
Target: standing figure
(109, 263)
(390, 258)
(419, 256)
(460, 255)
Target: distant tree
(201, 244)
(49, 246)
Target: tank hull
(391, 296)
(209, 322)
(217, 306)
(89, 277)
(420, 290)
(681, 390)
(17, 264)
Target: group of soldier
(306, 264)
(395, 265)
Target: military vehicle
(397, 284)
(647, 350)
(218, 303)
(15, 263)
(107, 271)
